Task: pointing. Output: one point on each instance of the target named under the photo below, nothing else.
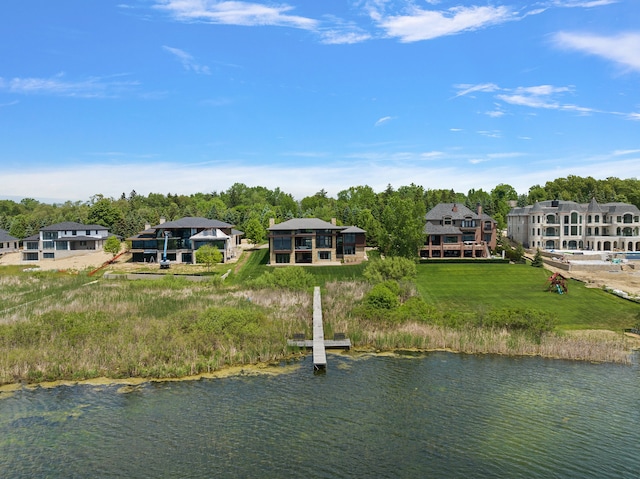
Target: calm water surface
(433, 415)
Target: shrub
(392, 268)
(290, 277)
(383, 296)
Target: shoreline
(276, 367)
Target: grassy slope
(472, 287)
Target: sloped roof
(5, 236)
(305, 224)
(436, 229)
(193, 222)
(455, 211)
(72, 225)
(353, 229)
(594, 207)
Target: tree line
(393, 218)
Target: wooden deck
(318, 343)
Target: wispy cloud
(235, 13)
(428, 24)
(466, 89)
(383, 120)
(187, 61)
(623, 49)
(583, 3)
(93, 87)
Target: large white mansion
(573, 226)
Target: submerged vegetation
(55, 325)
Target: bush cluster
(293, 277)
(393, 268)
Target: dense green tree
(403, 222)
(208, 255)
(112, 245)
(104, 213)
(254, 231)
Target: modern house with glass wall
(63, 240)
(314, 241)
(454, 231)
(8, 244)
(567, 225)
(185, 236)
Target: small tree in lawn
(537, 259)
(112, 245)
(254, 231)
(208, 255)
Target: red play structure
(557, 283)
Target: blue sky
(186, 96)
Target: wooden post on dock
(319, 353)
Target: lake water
(415, 416)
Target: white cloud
(383, 120)
(337, 37)
(94, 87)
(429, 24)
(583, 3)
(235, 13)
(466, 89)
(625, 152)
(623, 49)
(187, 60)
(494, 113)
(634, 116)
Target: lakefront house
(314, 241)
(8, 244)
(567, 225)
(62, 240)
(454, 231)
(184, 237)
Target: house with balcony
(8, 244)
(62, 240)
(314, 241)
(567, 225)
(454, 231)
(185, 236)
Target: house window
(574, 218)
(48, 255)
(303, 243)
(349, 238)
(348, 249)
(597, 218)
(574, 230)
(566, 219)
(74, 233)
(324, 254)
(619, 219)
(447, 220)
(323, 241)
(49, 235)
(283, 243)
(88, 232)
(62, 245)
(450, 239)
(282, 258)
(31, 257)
(47, 245)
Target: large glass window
(283, 243)
(49, 235)
(451, 239)
(303, 243)
(324, 254)
(349, 249)
(349, 238)
(323, 241)
(62, 245)
(47, 245)
(282, 258)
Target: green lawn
(481, 287)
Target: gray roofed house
(453, 230)
(567, 225)
(8, 243)
(185, 236)
(62, 240)
(315, 241)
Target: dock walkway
(318, 343)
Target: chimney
(147, 226)
(455, 208)
(479, 208)
(272, 221)
(333, 221)
(162, 220)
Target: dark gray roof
(594, 207)
(353, 229)
(237, 232)
(72, 225)
(455, 211)
(32, 238)
(305, 224)
(436, 229)
(5, 236)
(193, 222)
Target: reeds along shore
(56, 327)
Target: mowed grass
(481, 287)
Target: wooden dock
(318, 343)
